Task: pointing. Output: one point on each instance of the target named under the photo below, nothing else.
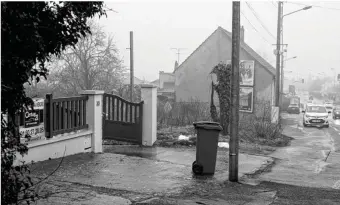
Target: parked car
(336, 113)
(293, 108)
(315, 115)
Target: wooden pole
(235, 89)
(278, 54)
(131, 67)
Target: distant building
(166, 86)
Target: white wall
(58, 146)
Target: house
(166, 87)
(193, 78)
(166, 84)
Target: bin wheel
(197, 168)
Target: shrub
(257, 127)
(182, 113)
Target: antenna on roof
(178, 52)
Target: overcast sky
(312, 35)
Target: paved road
(313, 159)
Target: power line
(258, 18)
(336, 9)
(254, 28)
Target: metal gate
(122, 120)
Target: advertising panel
(247, 68)
(246, 99)
(33, 125)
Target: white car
(315, 115)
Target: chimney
(176, 65)
(242, 34)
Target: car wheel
(304, 125)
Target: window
(318, 109)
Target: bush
(182, 113)
(257, 128)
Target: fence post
(49, 116)
(94, 118)
(149, 130)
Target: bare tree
(93, 63)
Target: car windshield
(318, 109)
(328, 107)
(293, 105)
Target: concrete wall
(88, 140)
(58, 146)
(193, 77)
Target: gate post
(94, 118)
(149, 130)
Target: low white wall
(70, 143)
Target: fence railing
(64, 115)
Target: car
(315, 115)
(329, 107)
(293, 108)
(336, 113)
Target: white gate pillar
(94, 118)
(149, 96)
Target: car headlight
(308, 116)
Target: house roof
(251, 52)
(243, 46)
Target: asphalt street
(312, 160)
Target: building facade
(193, 77)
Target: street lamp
(290, 58)
(282, 61)
(304, 8)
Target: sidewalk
(126, 174)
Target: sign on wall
(246, 99)
(33, 125)
(246, 72)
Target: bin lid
(208, 125)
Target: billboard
(247, 72)
(246, 99)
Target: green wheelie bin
(206, 147)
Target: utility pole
(282, 57)
(278, 53)
(131, 66)
(178, 52)
(235, 90)
(282, 72)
